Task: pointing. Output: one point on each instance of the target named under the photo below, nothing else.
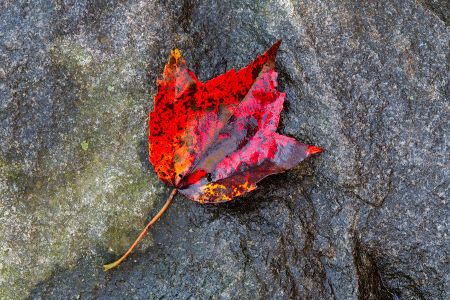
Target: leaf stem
(143, 232)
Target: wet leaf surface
(214, 141)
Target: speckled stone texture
(367, 219)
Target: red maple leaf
(214, 141)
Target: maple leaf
(214, 141)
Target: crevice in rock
(439, 8)
(370, 284)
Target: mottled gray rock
(368, 219)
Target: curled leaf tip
(313, 150)
(274, 48)
(176, 54)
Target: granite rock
(367, 219)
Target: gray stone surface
(368, 219)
